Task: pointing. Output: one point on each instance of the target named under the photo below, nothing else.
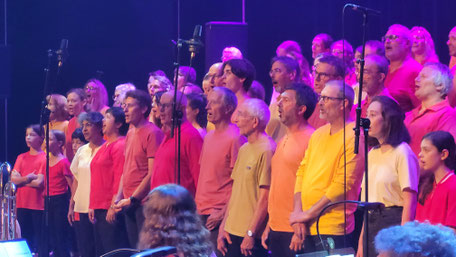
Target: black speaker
(220, 34)
(5, 71)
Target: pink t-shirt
(438, 117)
(29, 197)
(191, 144)
(140, 145)
(440, 205)
(218, 156)
(57, 182)
(401, 84)
(314, 120)
(106, 169)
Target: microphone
(62, 53)
(363, 9)
(194, 44)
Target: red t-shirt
(440, 205)
(73, 124)
(401, 84)
(140, 145)
(437, 117)
(57, 173)
(29, 197)
(191, 144)
(106, 169)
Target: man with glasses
(284, 71)
(327, 68)
(320, 178)
(403, 69)
(375, 70)
(141, 143)
(245, 218)
(164, 171)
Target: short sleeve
(152, 141)
(236, 145)
(18, 164)
(75, 163)
(450, 219)
(66, 168)
(264, 168)
(407, 168)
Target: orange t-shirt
(285, 162)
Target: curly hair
(171, 220)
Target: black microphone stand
(44, 121)
(365, 124)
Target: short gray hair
(228, 97)
(258, 109)
(443, 80)
(417, 239)
(341, 86)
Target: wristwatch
(250, 233)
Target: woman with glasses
(423, 49)
(91, 124)
(393, 170)
(97, 97)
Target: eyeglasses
(325, 99)
(391, 38)
(322, 75)
(274, 71)
(166, 106)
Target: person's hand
(221, 245)
(299, 230)
(30, 177)
(299, 217)
(296, 243)
(264, 237)
(92, 216)
(71, 216)
(111, 215)
(124, 203)
(247, 245)
(214, 219)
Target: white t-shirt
(390, 173)
(80, 167)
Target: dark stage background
(129, 38)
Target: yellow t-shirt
(251, 171)
(321, 173)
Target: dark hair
(198, 101)
(394, 128)
(143, 99)
(379, 46)
(256, 90)
(59, 136)
(95, 118)
(380, 62)
(290, 64)
(335, 62)
(327, 40)
(441, 140)
(119, 117)
(79, 91)
(77, 134)
(304, 96)
(171, 219)
(188, 72)
(37, 129)
(157, 97)
(242, 68)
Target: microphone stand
(44, 121)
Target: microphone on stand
(62, 53)
(363, 9)
(195, 43)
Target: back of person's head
(394, 128)
(288, 46)
(305, 96)
(256, 90)
(377, 46)
(171, 220)
(198, 101)
(143, 99)
(291, 65)
(334, 62)
(242, 68)
(416, 239)
(189, 73)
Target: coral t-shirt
(29, 197)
